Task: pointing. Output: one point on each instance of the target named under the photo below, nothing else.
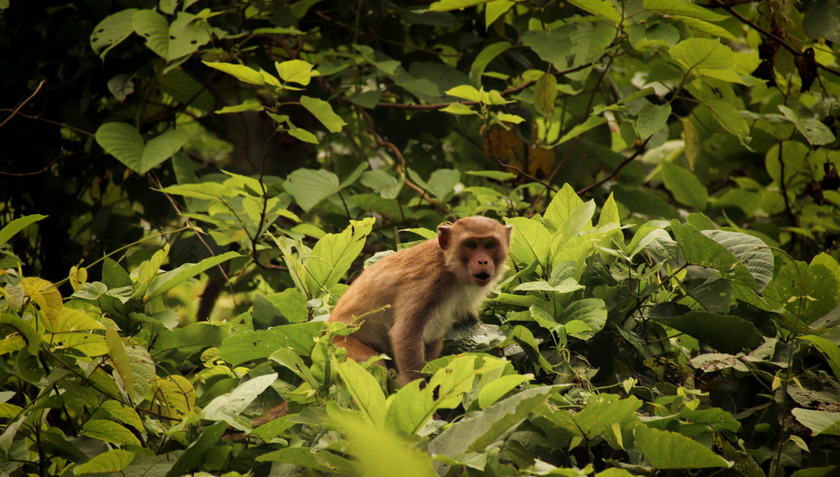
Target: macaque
(406, 302)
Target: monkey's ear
(444, 236)
(509, 229)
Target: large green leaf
(706, 57)
(808, 291)
(815, 132)
(192, 457)
(17, 225)
(478, 430)
(115, 460)
(333, 255)
(111, 31)
(529, 242)
(323, 112)
(683, 7)
(412, 407)
(165, 282)
(122, 141)
(684, 185)
(300, 337)
(730, 334)
(379, 453)
(652, 119)
(229, 406)
(819, 422)
(367, 395)
(669, 450)
(309, 186)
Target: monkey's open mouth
(483, 276)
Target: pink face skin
(479, 255)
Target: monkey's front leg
(409, 353)
(433, 349)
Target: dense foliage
(188, 186)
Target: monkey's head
(475, 249)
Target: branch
(615, 171)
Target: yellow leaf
(45, 295)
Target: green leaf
(227, 407)
(165, 282)
(496, 389)
(186, 36)
(692, 142)
(599, 8)
(669, 450)
(529, 241)
(155, 29)
(808, 291)
(115, 460)
(309, 187)
(240, 72)
(448, 5)
(815, 132)
(465, 91)
(122, 141)
(590, 311)
(684, 185)
(561, 207)
(591, 122)
(698, 249)
(683, 7)
(378, 453)
(319, 460)
(566, 286)
(829, 349)
(819, 422)
(750, 251)
(459, 109)
(477, 430)
(384, 184)
(111, 31)
(367, 395)
(706, 57)
(545, 94)
(411, 407)
(488, 54)
(333, 255)
(494, 10)
(552, 46)
(652, 119)
(247, 105)
(296, 71)
(323, 112)
(598, 416)
(500, 176)
(191, 458)
(442, 182)
(726, 333)
(247, 346)
(17, 225)
(109, 432)
(729, 118)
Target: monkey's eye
(491, 244)
(471, 245)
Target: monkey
(406, 302)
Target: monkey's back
(404, 283)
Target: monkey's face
(481, 257)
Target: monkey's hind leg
(357, 350)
